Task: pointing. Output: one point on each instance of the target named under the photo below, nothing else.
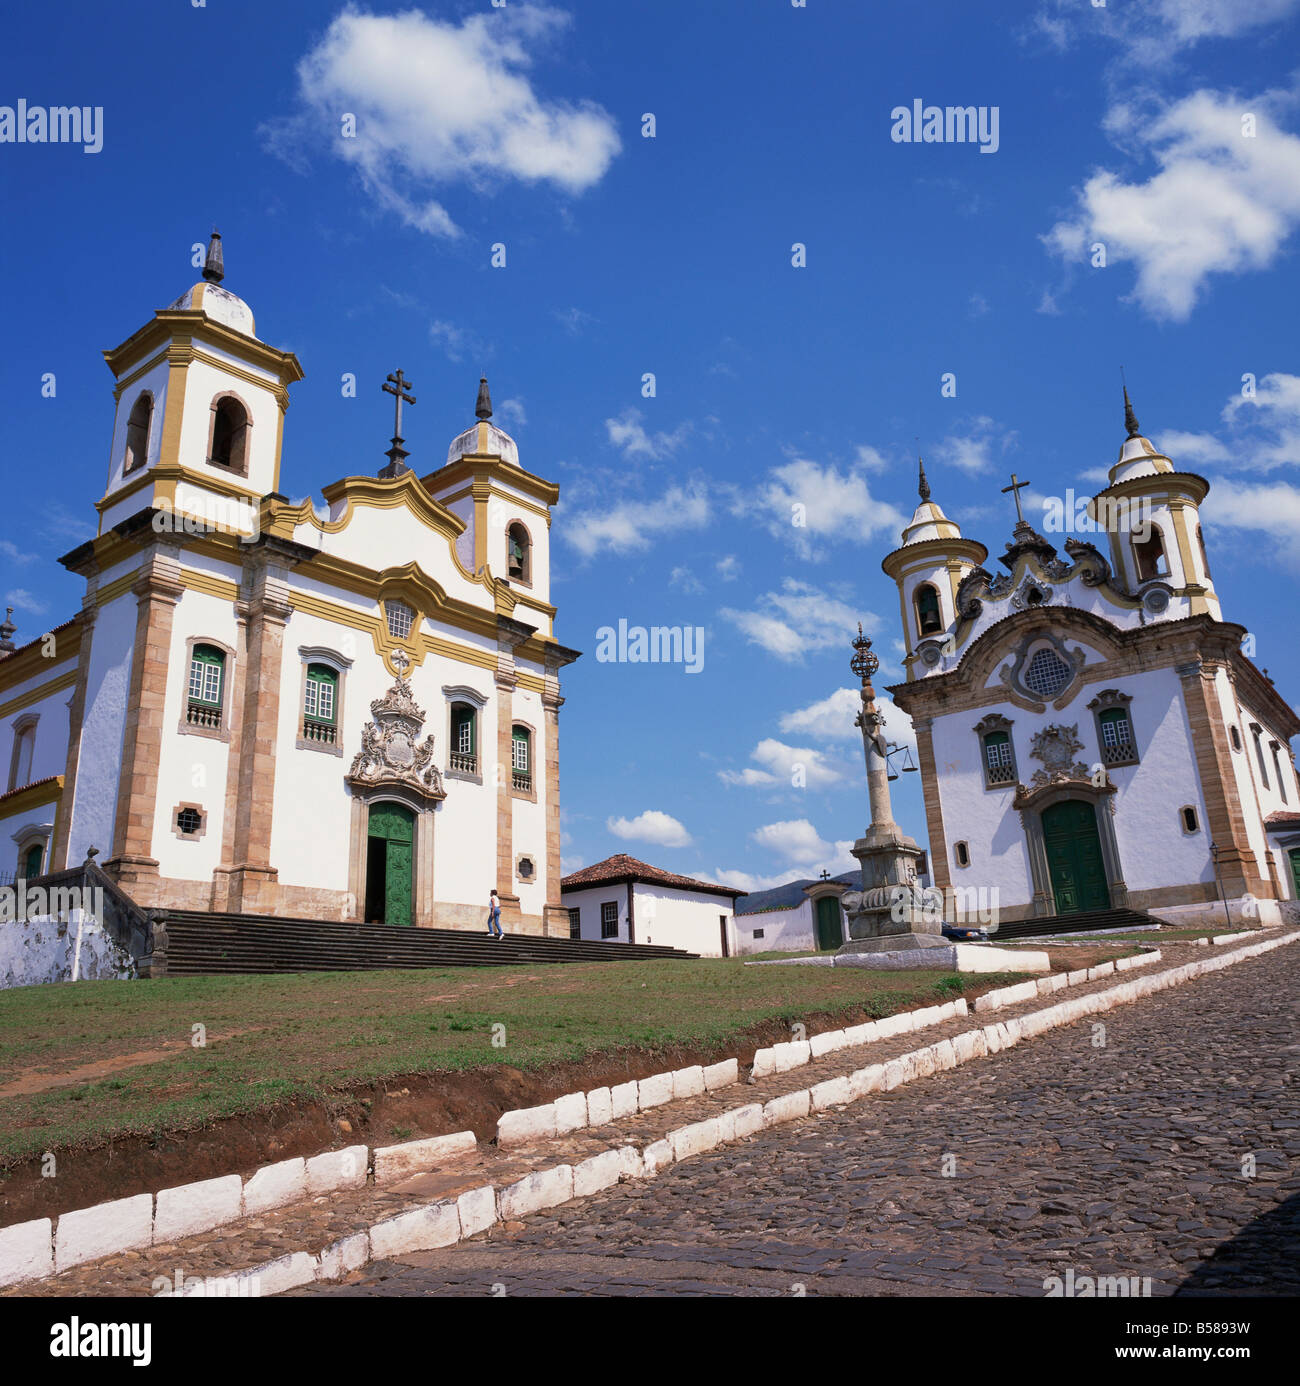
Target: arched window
(1189, 820)
(1258, 733)
(519, 553)
(1150, 555)
(137, 434)
(229, 444)
(320, 704)
(521, 758)
(206, 686)
(24, 751)
(464, 738)
(929, 618)
(962, 852)
(33, 860)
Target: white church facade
(1091, 735)
(347, 712)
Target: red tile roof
(1282, 820)
(621, 868)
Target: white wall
(688, 919)
(791, 930)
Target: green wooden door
(1295, 871)
(829, 933)
(32, 861)
(1074, 857)
(395, 827)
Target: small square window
(400, 619)
(189, 821)
(758, 933)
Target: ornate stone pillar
(555, 923)
(252, 882)
(158, 589)
(1238, 868)
(505, 882)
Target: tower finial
(1130, 418)
(923, 487)
(483, 409)
(214, 270)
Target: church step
(212, 944)
(1087, 921)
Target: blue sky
(775, 386)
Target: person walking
(494, 915)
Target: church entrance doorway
(390, 861)
(1074, 857)
(830, 934)
(1295, 871)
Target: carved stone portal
(391, 751)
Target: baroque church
(347, 712)
(1090, 734)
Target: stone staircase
(202, 944)
(1085, 922)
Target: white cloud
(728, 567)
(630, 525)
(783, 765)
(651, 826)
(438, 103)
(748, 882)
(808, 504)
(25, 602)
(1222, 202)
(971, 450)
(800, 844)
(683, 580)
(629, 435)
(11, 553)
(797, 619)
(1271, 511)
(831, 719)
(1261, 431)
(1153, 34)
(456, 342)
(573, 320)
(512, 412)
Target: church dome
(928, 520)
(1137, 455)
(484, 439)
(218, 304)
(209, 298)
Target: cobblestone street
(1109, 1154)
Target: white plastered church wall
(528, 819)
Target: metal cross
(399, 386)
(826, 875)
(1015, 488)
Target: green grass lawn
(275, 1039)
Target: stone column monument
(887, 914)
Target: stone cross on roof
(1015, 488)
(397, 386)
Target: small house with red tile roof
(625, 900)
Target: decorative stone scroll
(1056, 746)
(391, 752)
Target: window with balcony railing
(464, 739)
(999, 768)
(521, 767)
(206, 687)
(320, 705)
(1117, 744)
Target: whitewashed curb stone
(26, 1251)
(125, 1224)
(337, 1169)
(272, 1186)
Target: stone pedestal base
(555, 921)
(246, 889)
(893, 943)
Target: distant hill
(784, 897)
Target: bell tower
(1151, 513)
(200, 410)
(928, 567)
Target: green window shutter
(520, 749)
(207, 673)
(997, 749)
(32, 861)
(463, 730)
(321, 699)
